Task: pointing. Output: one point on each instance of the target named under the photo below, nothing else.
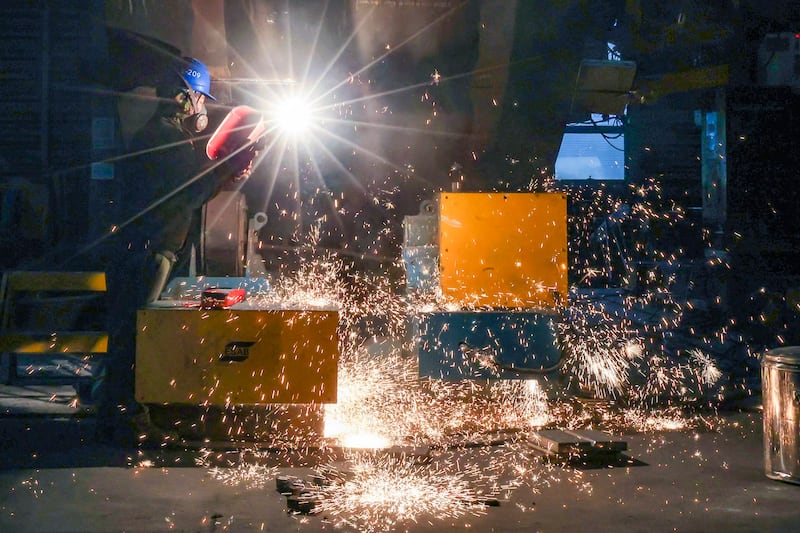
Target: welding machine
(499, 263)
(246, 353)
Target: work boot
(133, 431)
(148, 435)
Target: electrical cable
(616, 120)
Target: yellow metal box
(503, 249)
(240, 355)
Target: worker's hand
(240, 165)
(243, 163)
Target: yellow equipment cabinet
(503, 249)
(240, 355)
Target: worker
(166, 179)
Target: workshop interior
(475, 206)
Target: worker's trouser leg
(134, 282)
(160, 267)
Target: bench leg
(8, 368)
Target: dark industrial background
(65, 63)
(710, 165)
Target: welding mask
(243, 129)
(238, 139)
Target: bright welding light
(365, 441)
(293, 116)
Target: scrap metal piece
(303, 503)
(283, 484)
(577, 443)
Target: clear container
(780, 376)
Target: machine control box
(504, 250)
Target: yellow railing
(38, 338)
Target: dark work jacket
(167, 178)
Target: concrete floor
(54, 478)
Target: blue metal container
(485, 344)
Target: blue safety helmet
(196, 75)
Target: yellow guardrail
(38, 339)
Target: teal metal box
(486, 344)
